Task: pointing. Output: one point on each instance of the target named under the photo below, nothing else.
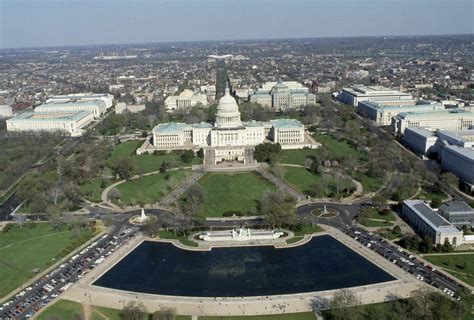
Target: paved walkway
(83, 291)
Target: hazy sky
(32, 23)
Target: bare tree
(345, 305)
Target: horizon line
(234, 40)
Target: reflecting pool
(322, 264)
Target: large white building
(283, 95)
(97, 107)
(228, 138)
(420, 140)
(428, 222)
(459, 161)
(121, 107)
(185, 100)
(69, 122)
(5, 111)
(447, 119)
(108, 99)
(358, 93)
(458, 213)
(382, 114)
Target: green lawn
(146, 163)
(288, 316)
(163, 234)
(23, 249)
(373, 213)
(293, 240)
(151, 188)
(300, 178)
(455, 263)
(237, 192)
(373, 223)
(98, 313)
(338, 149)
(297, 156)
(62, 309)
(92, 190)
(369, 184)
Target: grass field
(145, 163)
(23, 249)
(163, 234)
(238, 192)
(92, 190)
(374, 223)
(459, 265)
(374, 214)
(369, 184)
(151, 188)
(62, 309)
(339, 149)
(288, 316)
(300, 178)
(297, 156)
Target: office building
(68, 122)
(447, 119)
(358, 93)
(427, 222)
(458, 213)
(382, 114)
(97, 107)
(108, 99)
(420, 140)
(459, 161)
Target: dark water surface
(322, 264)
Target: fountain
(142, 218)
(242, 234)
(325, 211)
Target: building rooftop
(361, 90)
(171, 127)
(286, 123)
(466, 152)
(442, 112)
(48, 116)
(459, 135)
(72, 103)
(456, 206)
(202, 125)
(253, 123)
(432, 218)
(381, 107)
(424, 132)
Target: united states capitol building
(229, 138)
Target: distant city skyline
(48, 23)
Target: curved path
(105, 193)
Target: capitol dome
(228, 115)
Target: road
(8, 206)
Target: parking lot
(405, 260)
(32, 299)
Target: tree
(278, 208)
(397, 230)
(379, 201)
(264, 151)
(124, 168)
(449, 179)
(344, 305)
(200, 153)
(164, 314)
(133, 311)
(187, 156)
(194, 199)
